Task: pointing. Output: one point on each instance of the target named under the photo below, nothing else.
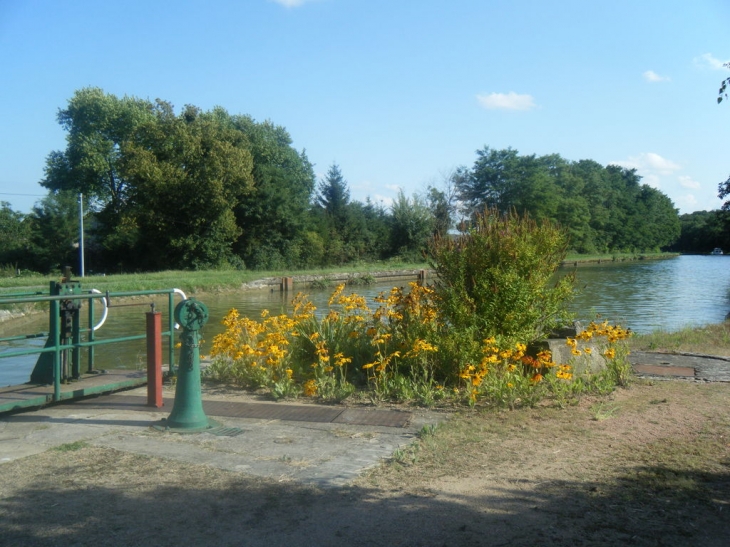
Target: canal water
(644, 295)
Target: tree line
(201, 189)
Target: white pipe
(106, 311)
(182, 295)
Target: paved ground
(681, 365)
(312, 444)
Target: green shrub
(496, 279)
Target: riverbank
(214, 281)
(577, 260)
(209, 281)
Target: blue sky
(397, 92)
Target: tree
(491, 182)
(54, 232)
(443, 203)
(333, 195)
(274, 216)
(721, 94)
(99, 127)
(723, 191)
(602, 209)
(411, 226)
(186, 173)
(188, 190)
(15, 240)
(702, 231)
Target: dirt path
(648, 466)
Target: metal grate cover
(263, 411)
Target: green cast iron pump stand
(187, 414)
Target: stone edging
(275, 283)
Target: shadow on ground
(81, 498)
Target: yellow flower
(310, 388)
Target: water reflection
(656, 294)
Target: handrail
(57, 347)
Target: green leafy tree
(443, 203)
(723, 191)
(186, 174)
(54, 233)
(491, 183)
(99, 126)
(603, 209)
(194, 189)
(722, 93)
(702, 231)
(411, 226)
(15, 237)
(274, 217)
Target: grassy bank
(708, 340)
(193, 282)
(573, 258)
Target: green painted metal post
(90, 337)
(76, 340)
(55, 336)
(187, 411)
(171, 340)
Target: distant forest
(207, 189)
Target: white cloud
(707, 60)
(393, 187)
(687, 202)
(386, 201)
(651, 179)
(506, 101)
(663, 165)
(648, 163)
(651, 76)
(688, 182)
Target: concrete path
(681, 365)
(323, 451)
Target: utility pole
(81, 234)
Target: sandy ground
(648, 466)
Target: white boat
(716, 251)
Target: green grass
(615, 257)
(193, 281)
(708, 340)
(70, 447)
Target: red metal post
(154, 358)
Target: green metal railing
(56, 347)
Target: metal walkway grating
(262, 411)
